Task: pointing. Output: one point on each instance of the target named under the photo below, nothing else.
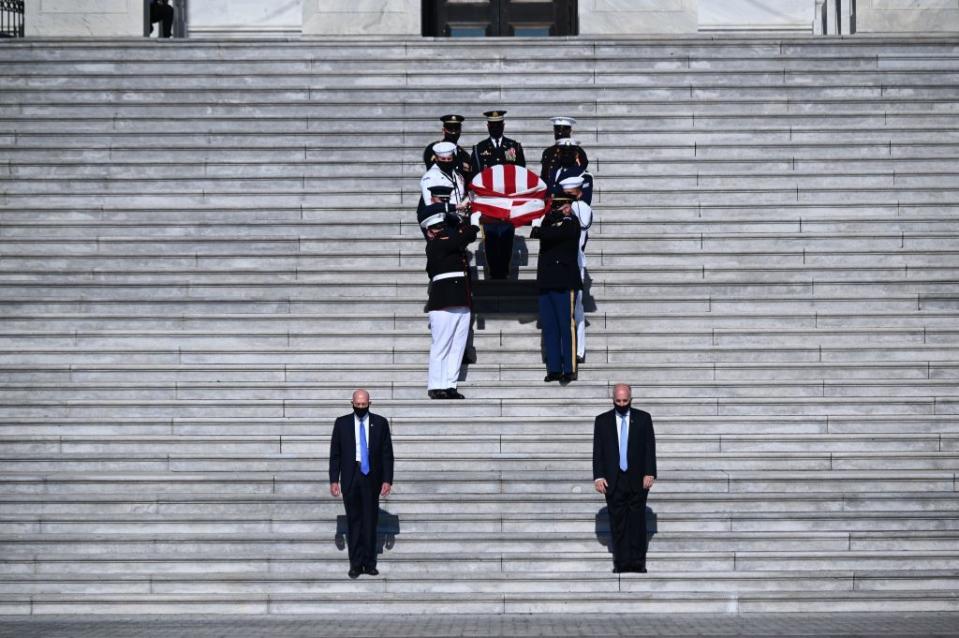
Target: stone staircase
(205, 246)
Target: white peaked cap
(433, 220)
(572, 182)
(563, 121)
(444, 148)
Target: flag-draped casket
(510, 193)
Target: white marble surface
(907, 16)
(629, 17)
(791, 15)
(102, 18)
(362, 17)
(245, 17)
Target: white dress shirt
(356, 434)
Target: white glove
(537, 222)
(475, 219)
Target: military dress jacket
(446, 253)
(558, 264)
(549, 162)
(486, 154)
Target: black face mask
(446, 167)
(451, 136)
(622, 411)
(361, 412)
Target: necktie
(364, 451)
(623, 444)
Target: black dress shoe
(354, 572)
(451, 393)
(437, 394)
(469, 356)
(581, 359)
(553, 376)
(569, 377)
(372, 571)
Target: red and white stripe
(510, 193)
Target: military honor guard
(624, 470)
(558, 279)
(494, 150)
(450, 300)
(452, 128)
(444, 172)
(572, 187)
(439, 203)
(562, 129)
(566, 166)
(361, 471)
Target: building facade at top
(479, 18)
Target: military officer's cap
(452, 119)
(436, 219)
(561, 198)
(444, 148)
(495, 116)
(576, 181)
(563, 121)
(441, 191)
(567, 141)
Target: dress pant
(362, 503)
(449, 330)
(627, 524)
(559, 329)
(498, 245)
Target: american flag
(510, 193)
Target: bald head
(361, 398)
(622, 396)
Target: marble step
(425, 424)
(578, 505)
(473, 603)
(506, 546)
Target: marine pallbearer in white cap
(565, 155)
(449, 302)
(550, 160)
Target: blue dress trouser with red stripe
(559, 329)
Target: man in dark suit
(558, 278)
(361, 470)
(624, 469)
(495, 150)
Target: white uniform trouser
(450, 327)
(580, 316)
